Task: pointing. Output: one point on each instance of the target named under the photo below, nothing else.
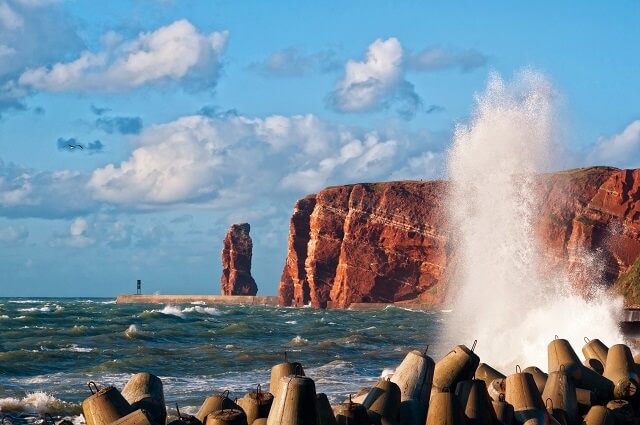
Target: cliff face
(236, 262)
(389, 242)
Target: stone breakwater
(602, 389)
(390, 242)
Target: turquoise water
(50, 348)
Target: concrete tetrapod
(594, 365)
(595, 349)
(487, 373)
(585, 399)
(504, 412)
(414, 377)
(350, 413)
(295, 402)
(599, 415)
(620, 369)
(560, 391)
(522, 393)
(458, 365)
(325, 413)
(497, 389)
(138, 417)
(561, 354)
(475, 402)
(383, 403)
(256, 404)
(227, 417)
(144, 391)
(445, 409)
(104, 406)
(214, 403)
(622, 411)
(261, 421)
(539, 377)
(281, 370)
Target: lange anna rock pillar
(237, 249)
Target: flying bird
(72, 147)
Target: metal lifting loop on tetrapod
(586, 340)
(94, 386)
(547, 402)
(518, 369)
(473, 347)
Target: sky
(134, 133)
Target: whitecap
(37, 402)
(298, 340)
(131, 331)
(387, 372)
(291, 322)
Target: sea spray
(505, 296)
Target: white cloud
(367, 84)
(621, 150)
(356, 160)
(176, 52)
(78, 237)
(26, 192)
(237, 160)
(9, 18)
(224, 162)
(13, 235)
(428, 165)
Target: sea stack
(237, 249)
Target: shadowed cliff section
(389, 242)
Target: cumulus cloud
(122, 125)
(368, 85)
(356, 160)
(13, 235)
(379, 82)
(621, 150)
(176, 52)
(221, 162)
(32, 33)
(79, 236)
(235, 160)
(436, 59)
(25, 192)
(292, 62)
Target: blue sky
(133, 133)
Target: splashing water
(506, 298)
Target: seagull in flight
(72, 147)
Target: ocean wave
(25, 301)
(38, 402)
(171, 310)
(4, 316)
(212, 311)
(77, 349)
(298, 341)
(44, 309)
(132, 331)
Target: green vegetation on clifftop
(629, 285)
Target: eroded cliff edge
(390, 242)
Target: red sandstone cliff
(236, 262)
(389, 242)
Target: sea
(50, 348)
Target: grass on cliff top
(628, 285)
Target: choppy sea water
(50, 349)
